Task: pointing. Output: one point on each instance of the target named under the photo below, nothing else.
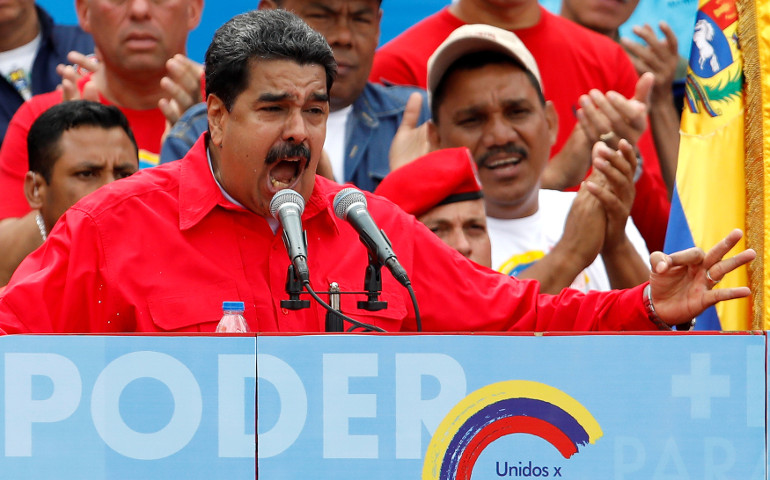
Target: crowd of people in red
(529, 143)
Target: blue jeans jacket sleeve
(184, 133)
(371, 126)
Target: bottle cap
(233, 306)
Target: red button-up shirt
(162, 250)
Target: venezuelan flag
(710, 195)
(755, 45)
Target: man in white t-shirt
(518, 243)
(486, 94)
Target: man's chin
(342, 98)
(149, 58)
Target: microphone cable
(417, 318)
(356, 323)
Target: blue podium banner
(671, 406)
(491, 407)
(127, 407)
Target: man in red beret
(447, 199)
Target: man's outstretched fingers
(723, 294)
(723, 267)
(719, 250)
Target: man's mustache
(508, 148)
(285, 150)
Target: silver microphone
(287, 207)
(350, 205)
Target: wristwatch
(654, 318)
(650, 309)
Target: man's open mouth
(500, 157)
(287, 162)
(502, 162)
(286, 171)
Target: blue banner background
(669, 406)
(366, 406)
(72, 448)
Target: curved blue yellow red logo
(520, 262)
(505, 408)
(148, 159)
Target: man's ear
(433, 136)
(194, 14)
(82, 9)
(267, 5)
(217, 116)
(34, 189)
(379, 25)
(552, 118)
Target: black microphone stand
(294, 289)
(373, 287)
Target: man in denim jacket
(30, 35)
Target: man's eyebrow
(87, 164)
(320, 97)
(438, 222)
(478, 110)
(280, 97)
(125, 166)
(274, 97)
(516, 102)
(472, 110)
(364, 9)
(321, 6)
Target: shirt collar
(221, 190)
(199, 192)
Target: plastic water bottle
(232, 318)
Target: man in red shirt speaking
(161, 250)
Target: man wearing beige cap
(578, 67)
(485, 92)
(447, 199)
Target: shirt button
(285, 311)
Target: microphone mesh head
(345, 198)
(283, 197)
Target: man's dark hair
(474, 61)
(262, 35)
(43, 138)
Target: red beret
(440, 177)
